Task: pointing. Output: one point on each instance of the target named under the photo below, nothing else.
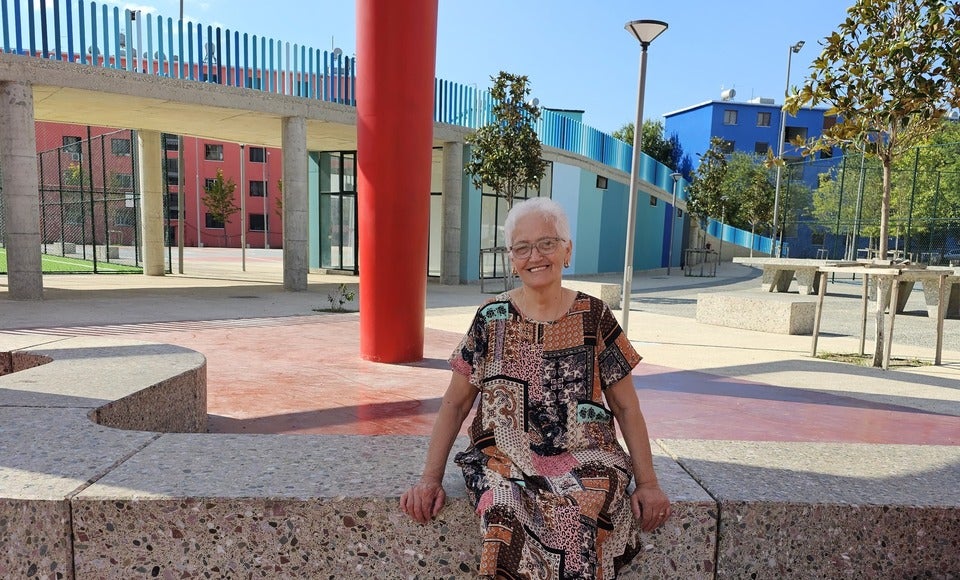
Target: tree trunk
(882, 288)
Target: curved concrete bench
(82, 500)
(151, 497)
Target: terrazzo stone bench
(778, 313)
(148, 496)
(82, 500)
(792, 510)
(609, 293)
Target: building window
(173, 208)
(826, 153)
(257, 155)
(123, 181)
(730, 117)
(120, 147)
(258, 222)
(258, 188)
(125, 216)
(71, 144)
(170, 142)
(213, 152)
(653, 200)
(208, 183)
(761, 147)
(727, 147)
(213, 223)
(763, 119)
(173, 171)
(794, 133)
(73, 209)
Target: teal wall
(648, 243)
(598, 223)
(469, 227)
(313, 207)
(566, 192)
(613, 216)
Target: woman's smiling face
(539, 270)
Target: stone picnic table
(890, 280)
(779, 272)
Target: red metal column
(396, 54)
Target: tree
(506, 155)
(666, 151)
(749, 191)
(889, 73)
(705, 194)
(218, 198)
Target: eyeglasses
(545, 246)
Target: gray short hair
(550, 210)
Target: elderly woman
(544, 467)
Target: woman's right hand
(423, 501)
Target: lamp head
(646, 30)
(676, 176)
(796, 47)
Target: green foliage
(339, 297)
(749, 189)
(73, 175)
(889, 72)
(707, 188)
(924, 180)
(506, 154)
(218, 198)
(666, 151)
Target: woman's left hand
(650, 505)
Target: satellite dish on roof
(337, 52)
(727, 94)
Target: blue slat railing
(732, 235)
(115, 39)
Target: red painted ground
(305, 375)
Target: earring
(566, 264)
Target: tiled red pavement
(304, 375)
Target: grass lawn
(62, 265)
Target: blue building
(753, 127)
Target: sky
(577, 55)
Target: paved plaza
(278, 363)
(779, 465)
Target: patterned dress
(544, 467)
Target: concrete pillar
(451, 199)
(295, 204)
(21, 192)
(151, 201)
(397, 46)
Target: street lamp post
(774, 247)
(645, 31)
(723, 219)
(673, 219)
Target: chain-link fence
(89, 205)
(840, 217)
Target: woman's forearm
(622, 399)
(454, 408)
(634, 429)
